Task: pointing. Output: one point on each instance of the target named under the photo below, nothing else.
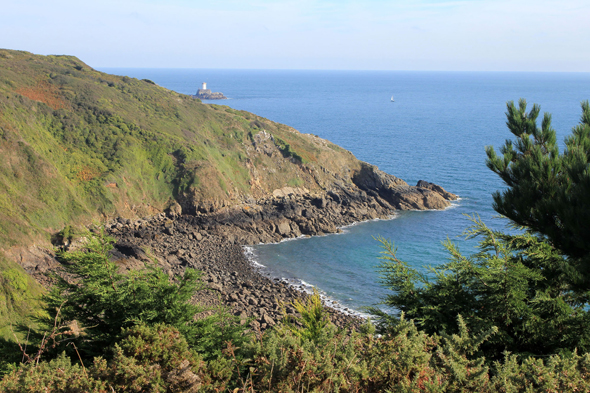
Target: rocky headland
(79, 146)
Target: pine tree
(532, 285)
(548, 192)
(98, 301)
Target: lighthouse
(206, 94)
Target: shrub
(102, 301)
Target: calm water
(435, 130)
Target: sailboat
(392, 100)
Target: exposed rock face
(436, 188)
(398, 193)
(207, 94)
(292, 212)
(36, 261)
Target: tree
(530, 285)
(97, 302)
(547, 191)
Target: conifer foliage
(533, 285)
(547, 191)
(103, 301)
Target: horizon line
(338, 70)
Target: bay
(436, 130)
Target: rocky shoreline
(210, 236)
(176, 244)
(213, 243)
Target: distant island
(206, 94)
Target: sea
(435, 129)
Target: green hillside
(78, 144)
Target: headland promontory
(171, 179)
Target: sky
(420, 35)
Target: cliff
(78, 144)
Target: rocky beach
(213, 242)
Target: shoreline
(304, 287)
(212, 242)
(307, 288)
(233, 280)
(215, 243)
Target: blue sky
(463, 35)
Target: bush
(154, 359)
(530, 285)
(97, 302)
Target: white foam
(300, 285)
(251, 256)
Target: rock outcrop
(292, 212)
(207, 94)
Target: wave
(300, 285)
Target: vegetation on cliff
(78, 144)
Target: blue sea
(436, 130)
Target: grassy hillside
(78, 144)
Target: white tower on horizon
(204, 86)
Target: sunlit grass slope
(78, 144)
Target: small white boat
(392, 100)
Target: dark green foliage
(547, 191)
(527, 284)
(515, 283)
(287, 150)
(104, 301)
(65, 236)
(209, 336)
